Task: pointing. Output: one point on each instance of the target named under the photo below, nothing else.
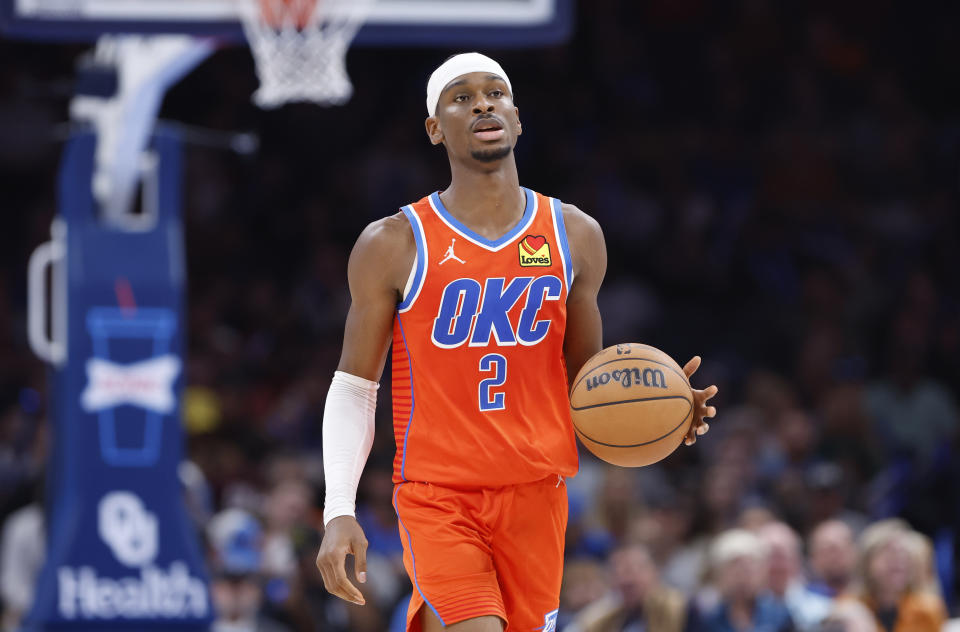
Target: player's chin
(491, 153)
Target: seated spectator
(236, 587)
(848, 615)
(833, 557)
(891, 582)
(639, 601)
(739, 562)
(913, 414)
(785, 577)
(22, 549)
(681, 553)
(584, 582)
(921, 549)
(285, 512)
(827, 492)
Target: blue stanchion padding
(122, 553)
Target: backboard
(487, 23)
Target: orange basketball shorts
(479, 552)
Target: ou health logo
(128, 528)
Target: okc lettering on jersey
(470, 312)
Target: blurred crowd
(778, 187)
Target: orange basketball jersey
(479, 379)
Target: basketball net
(300, 48)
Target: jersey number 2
(497, 364)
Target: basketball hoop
(300, 47)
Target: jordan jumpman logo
(450, 254)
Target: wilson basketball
(631, 405)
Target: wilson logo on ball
(628, 377)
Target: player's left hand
(701, 411)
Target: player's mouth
(487, 129)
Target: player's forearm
(584, 335)
(348, 427)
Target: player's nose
(482, 104)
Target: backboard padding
(489, 23)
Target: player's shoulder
(579, 219)
(384, 252)
(387, 234)
(581, 227)
(575, 220)
(589, 252)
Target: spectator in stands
(891, 581)
(785, 576)
(828, 498)
(639, 601)
(22, 550)
(848, 615)
(285, 510)
(679, 552)
(236, 588)
(833, 558)
(287, 532)
(584, 582)
(921, 550)
(913, 414)
(739, 561)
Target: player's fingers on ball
(711, 412)
(691, 367)
(710, 391)
(703, 429)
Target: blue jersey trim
(421, 269)
(511, 234)
(564, 245)
(413, 559)
(413, 401)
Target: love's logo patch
(534, 251)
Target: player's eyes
(460, 98)
(497, 93)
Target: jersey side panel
(401, 394)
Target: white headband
(456, 66)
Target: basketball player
(488, 292)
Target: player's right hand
(343, 536)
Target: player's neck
(489, 202)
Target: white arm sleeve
(347, 438)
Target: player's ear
(433, 130)
(516, 114)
